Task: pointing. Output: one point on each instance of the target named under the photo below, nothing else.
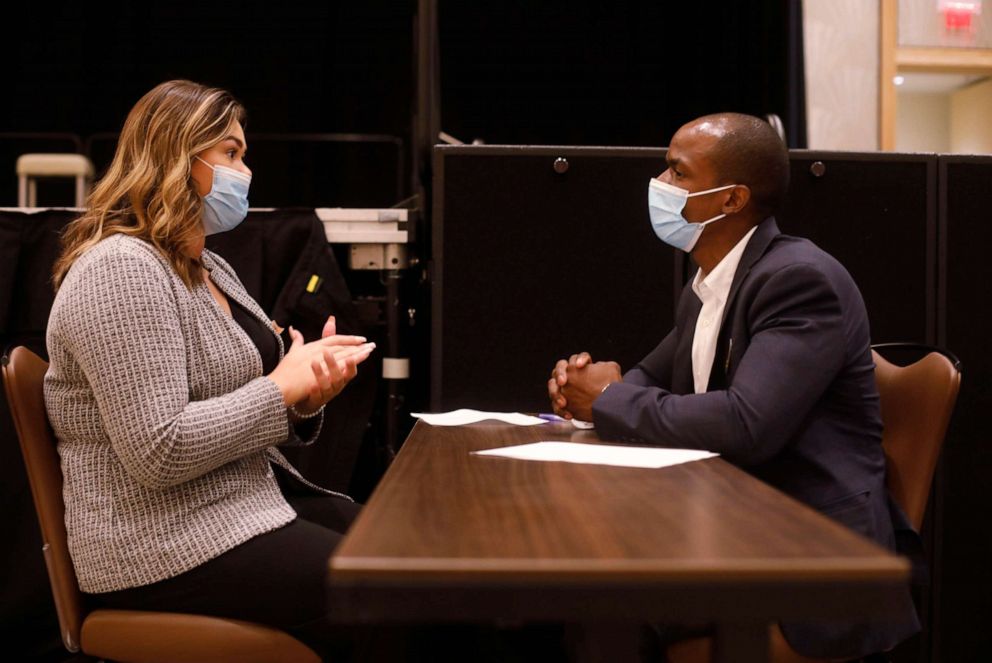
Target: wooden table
(449, 536)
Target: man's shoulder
(790, 262)
(788, 250)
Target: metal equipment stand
(378, 239)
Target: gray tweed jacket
(166, 426)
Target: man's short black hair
(750, 152)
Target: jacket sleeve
(121, 324)
(655, 370)
(796, 349)
(304, 433)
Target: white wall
(841, 44)
(923, 122)
(971, 119)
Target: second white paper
(599, 454)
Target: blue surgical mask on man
(227, 203)
(665, 205)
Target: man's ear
(738, 199)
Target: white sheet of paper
(599, 454)
(467, 416)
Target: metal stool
(32, 166)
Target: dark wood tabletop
(448, 535)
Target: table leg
(741, 643)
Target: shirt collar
(721, 277)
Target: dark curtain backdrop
(302, 65)
(615, 73)
(299, 66)
(512, 71)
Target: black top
(259, 333)
(265, 341)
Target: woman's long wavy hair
(148, 191)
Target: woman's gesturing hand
(313, 373)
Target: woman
(169, 391)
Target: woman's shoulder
(122, 252)
(114, 262)
(121, 244)
(114, 278)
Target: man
(769, 363)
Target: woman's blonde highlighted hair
(148, 191)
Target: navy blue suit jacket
(791, 399)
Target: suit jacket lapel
(231, 288)
(767, 231)
(689, 308)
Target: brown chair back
(917, 402)
(23, 379)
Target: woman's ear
(203, 176)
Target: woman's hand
(313, 373)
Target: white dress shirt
(712, 290)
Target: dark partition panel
(546, 263)
(532, 263)
(876, 213)
(966, 293)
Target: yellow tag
(314, 282)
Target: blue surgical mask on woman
(665, 205)
(227, 203)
